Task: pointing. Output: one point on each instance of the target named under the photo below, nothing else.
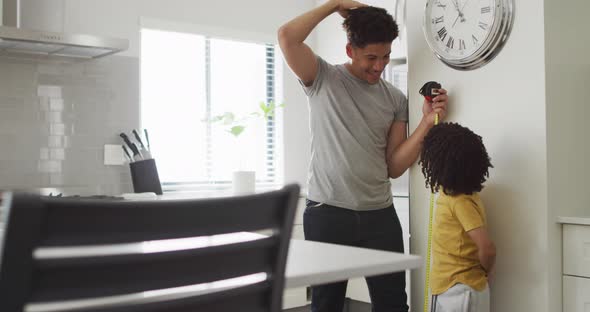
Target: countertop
(574, 220)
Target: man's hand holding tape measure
(435, 102)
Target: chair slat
(180, 299)
(61, 281)
(75, 221)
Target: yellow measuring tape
(430, 217)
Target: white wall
(504, 102)
(260, 18)
(567, 46)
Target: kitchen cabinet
(576, 264)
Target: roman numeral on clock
(486, 10)
(483, 25)
(442, 33)
(461, 44)
(440, 5)
(437, 20)
(451, 42)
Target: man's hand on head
(344, 6)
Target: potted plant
(243, 177)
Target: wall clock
(467, 34)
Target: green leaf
(235, 124)
(228, 118)
(215, 119)
(237, 130)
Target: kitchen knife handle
(136, 153)
(138, 138)
(147, 138)
(127, 153)
(126, 139)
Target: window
(186, 79)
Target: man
(359, 140)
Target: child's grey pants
(461, 298)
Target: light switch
(113, 155)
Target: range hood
(14, 39)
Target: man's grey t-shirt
(350, 121)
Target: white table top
(312, 263)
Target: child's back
(455, 254)
(455, 162)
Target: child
(455, 162)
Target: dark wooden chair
(68, 254)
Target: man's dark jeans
(375, 229)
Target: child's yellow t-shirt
(454, 253)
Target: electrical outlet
(113, 155)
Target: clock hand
(462, 19)
(461, 11)
(456, 5)
(464, 4)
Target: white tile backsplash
(49, 91)
(57, 154)
(55, 118)
(44, 153)
(49, 166)
(56, 104)
(57, 129)
(55, 141)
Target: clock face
(461, 31)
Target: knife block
(144, 175)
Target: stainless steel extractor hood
(14, 39)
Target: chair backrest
(67, 254)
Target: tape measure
(429, 90)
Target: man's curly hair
(454, 158)
(368, 25)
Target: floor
(350, 306)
